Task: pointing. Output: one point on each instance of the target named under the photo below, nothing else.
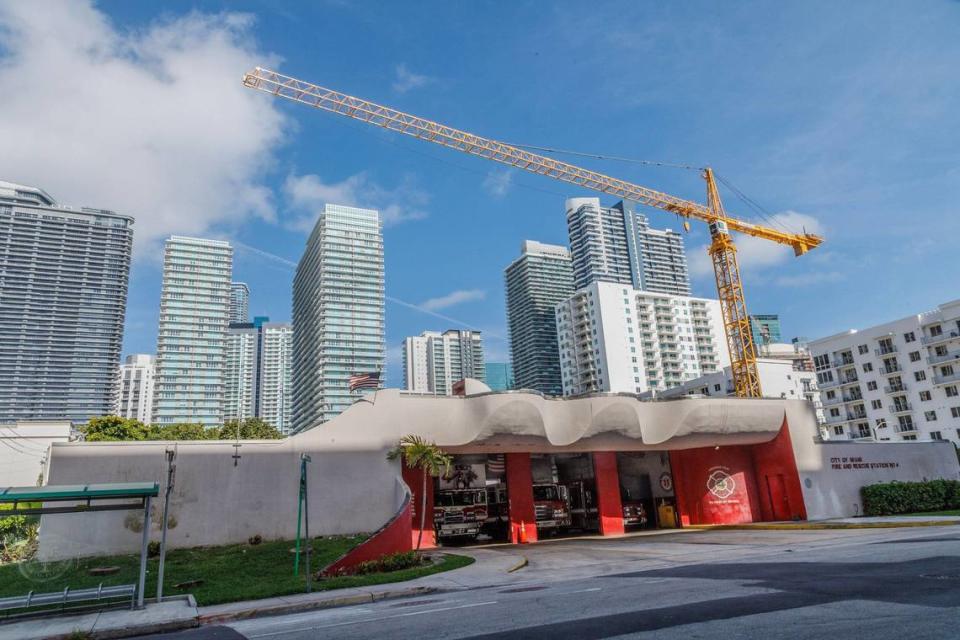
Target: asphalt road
(877, 584)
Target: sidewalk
(490, 568)
(170, 615)
(862, 522)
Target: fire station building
(606, 463)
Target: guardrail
(68, 596)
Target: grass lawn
(949, 512)
(229, 573)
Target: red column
(414, 480)
(520, 495)
(609, 506)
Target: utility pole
(303, 515)
(171, 454)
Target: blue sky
(843, 118)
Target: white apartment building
(433, 361)
(895, 381)
(135, 381)
(615, 338)
(258, 372)
(240, 371)
(779, 378)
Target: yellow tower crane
(723, 252)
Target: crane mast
(723, 253)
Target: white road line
(341, 624)
(582, 590)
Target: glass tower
(191, 341)
(239, 302)
(338, 313)
(500, 376)
(616, 244)
(63, 292)
(765, 329)
(535, 282)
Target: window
(716, 387)
(909, 437)
(919, 376)
(930, 416)
(955, 412)
(821, 362)
(867, 367)
(936, 435)
(914, 356)
(862, 349)
(951, 391)
(838, 431)
(876, 404)
(909, 337)
(881, 423)
(925, 396)
(872, 385)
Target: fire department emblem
(721, 484)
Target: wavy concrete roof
(527, 421)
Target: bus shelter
(55, 499)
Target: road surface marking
(341, 624)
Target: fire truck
(551, 505)
(460, 503)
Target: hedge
(910, 497)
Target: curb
(520, 565)
(823, 525)
(310, 605)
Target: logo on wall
(666, 481)
(720, 483)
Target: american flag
(365, 381)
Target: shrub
(910, 497)
(390, 562)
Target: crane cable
(652, 163)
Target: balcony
(829, 384)
(832, 401)
(861, 436)
(844, 362)
(852, 398)
(943, 337)
(947, 357)
(891, 370)
(844, 382)
(946, 379)
(895, 388)
(905, 429)
(835, 419)
(903, 407)
(884, 351)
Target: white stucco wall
(832, 473)
(24, 448)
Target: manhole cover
(522, 589)
(414, 604)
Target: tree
(185, 431)
(426, 456)
(249, 429)
(113, 429)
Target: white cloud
(756, 253)
(308, 193)
(453, 298)
(498, 182)
(152, 123)
(407, 80)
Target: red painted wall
(728, 471)
(608, 493)
(778, 480)
(392, 538)
(414, 480)
(520, 495)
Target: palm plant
(427, 457)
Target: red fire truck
(551, 504)
(460, 503)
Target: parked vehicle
(582, 498)
(634, 509)
(498, 512)
(459, 512)
(551, 506)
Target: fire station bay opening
(472, 503)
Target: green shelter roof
(79, 492)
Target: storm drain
(414, 604)
(522, 589)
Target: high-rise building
(615, 338)
(895, 381)
(535, 282)
(257, 374)
(64, 275)
(135, 399)
(239, 302)
(338, 313)
(616, 244)
(765, 329)
(433, 361)
(500, 376)
(191, 340)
